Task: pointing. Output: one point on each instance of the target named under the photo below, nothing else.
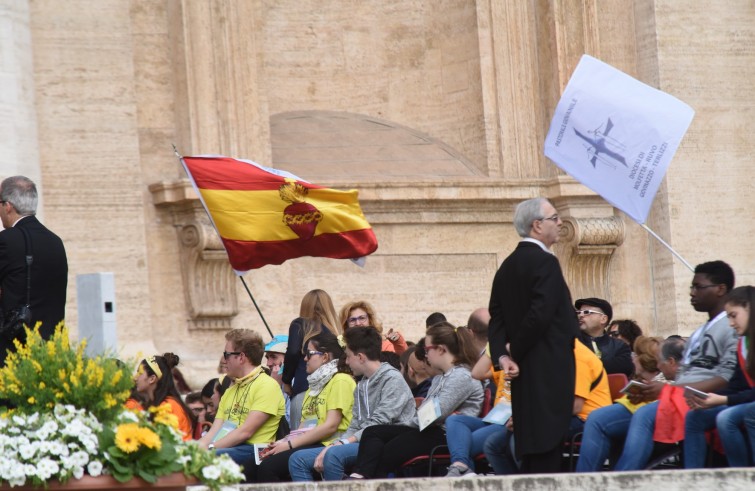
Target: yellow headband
(341, 341)
(153, 365)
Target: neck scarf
(320, 377)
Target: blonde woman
(316, 314)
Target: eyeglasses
(198, 410)
(553, 217)
(429, 347)
(588, 312)
(694, 288)
(226, 354)
(613, 334)
(355, 320)
(310, 354)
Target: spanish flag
(267, 216)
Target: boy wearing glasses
(594, 314)
(251, 409)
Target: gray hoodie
(382, 399)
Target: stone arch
(335, 146)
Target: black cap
(596, 302)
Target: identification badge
(428, 412)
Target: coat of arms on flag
(267, 216)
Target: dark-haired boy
(381, 397)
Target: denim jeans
(696, 424)
(337, 458)
(499, 451)
(638, 446)
(243, 455)
(466, 436)
(729, 423)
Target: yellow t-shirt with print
(260, 394)
(338, 393)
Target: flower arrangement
(69, 421)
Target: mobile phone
(690, 391)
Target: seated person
(198, 410)
(383, 448)
(594, 314)
(466, 435)
(625, 330)
(275, 353)
(421, 370)
(726, 410)
(707, 365)
(251, 409)
(381, 397)
(155, 386)
(326, 410)
(362, 313)
(606, 427)
(591, 392)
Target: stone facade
(435, 111)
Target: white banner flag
(616, 135)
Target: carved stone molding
(209, 281)
(585, 248)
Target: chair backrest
(616, 382)
(487, 401)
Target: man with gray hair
(531, 335)
(40, 282)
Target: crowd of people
(339, 396)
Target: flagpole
(256, 306)
(668, 247)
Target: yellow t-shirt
(263, 394)
(589, 368)
(338, 393)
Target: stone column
(19, 152)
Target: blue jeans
(499, 453)
(729, 423)
(243, 455)
(337, 458)
(466, 436)
(696, 424)
(604, 427)
(638, 447)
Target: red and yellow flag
(267, 216)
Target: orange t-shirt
(184, 423)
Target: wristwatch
(211, 446)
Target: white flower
(78, 472)
(32, 419)
(18, 420)
(184, 459)
(94, 468)
(211, 472)
(27, 451)
(128, 417)
(47, 468)
(30, 470)
(80, 458)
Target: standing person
(531, 335)
(250, 409)
(49, 266)
(315, 314)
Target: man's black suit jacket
(49, 276)
(531, 308)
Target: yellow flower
(149, 438)
(37, 366)
(62, 374)
(127, 437)
(51, 350)
(31, 400)
(42, 385)
(109, 400)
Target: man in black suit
(49, 267)
(531, 334)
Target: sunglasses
(429, 347)
(588, 312)
(226, 354)
(613, 334)
(310, 354)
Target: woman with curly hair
(361, 313)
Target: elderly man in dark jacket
(531, 334)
